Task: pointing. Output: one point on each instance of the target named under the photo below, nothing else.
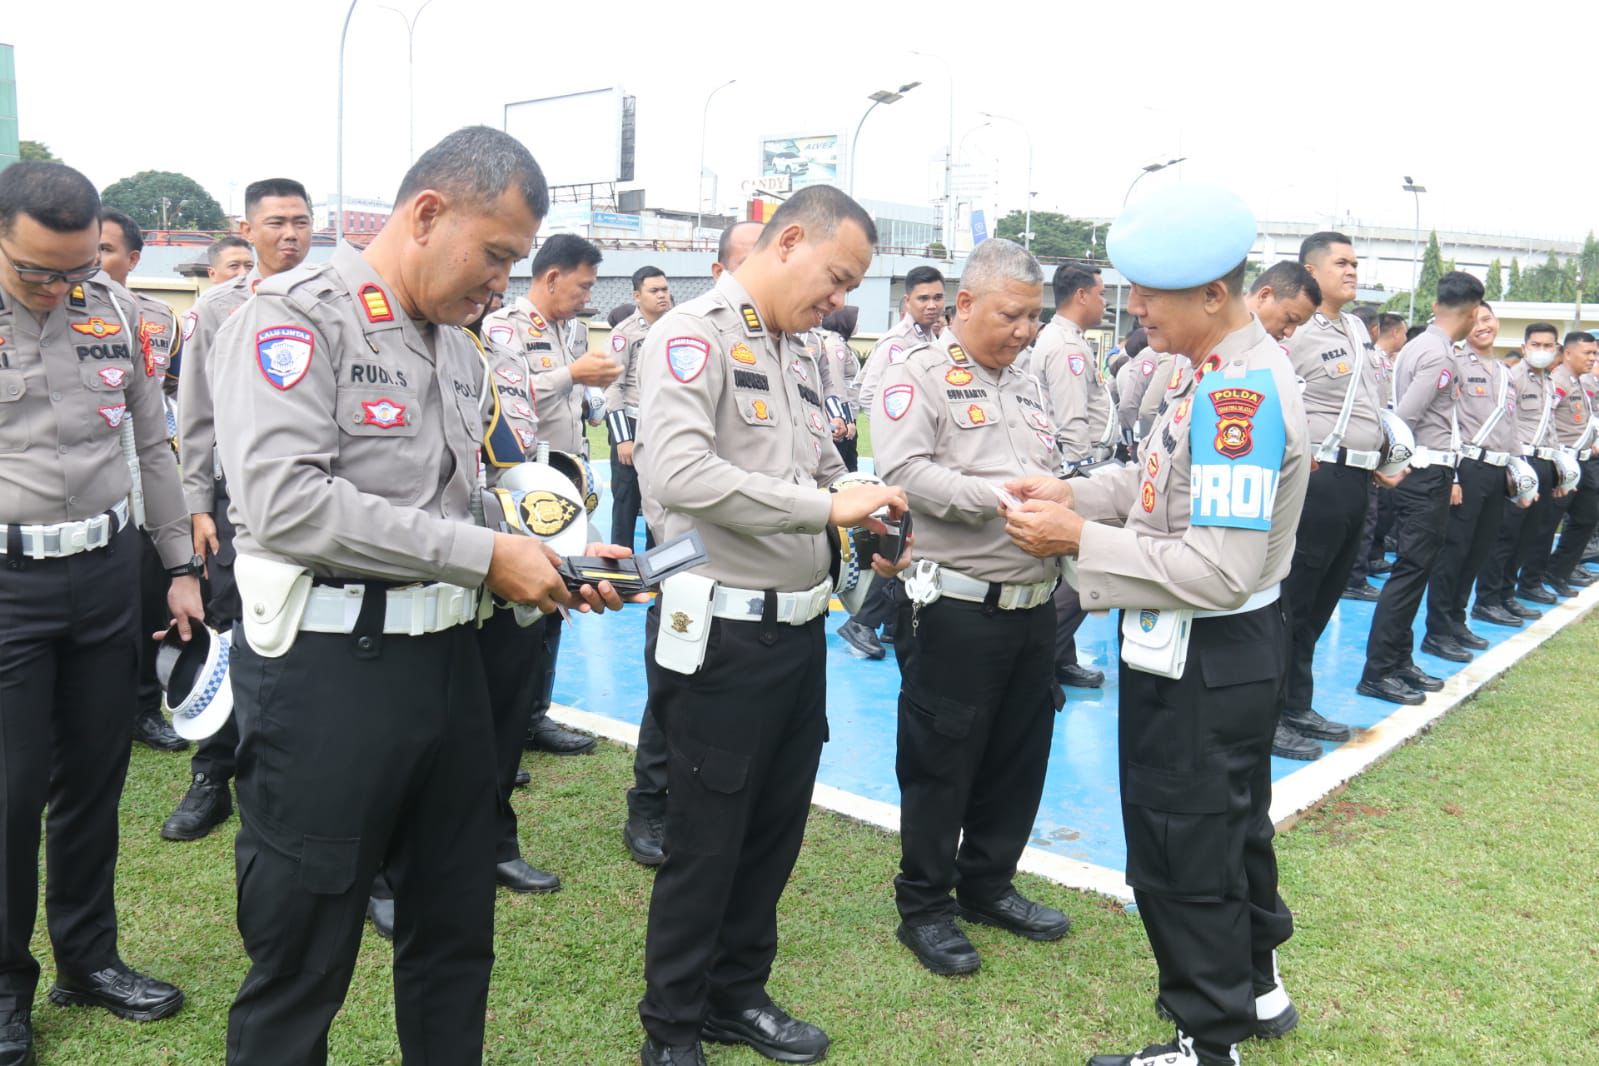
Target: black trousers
(1330, 530)
(1473, 528)
(549, 631)
(744, 737)
(1195, 763)
(1422, 503)
(849, 451)
(1069, 616)
(647, 797)
(153, 617)
(68, 658)
(352, 760)
(1518, 530)
(626, 502)
(976, 715)
(1379, 515)
(214, 756)
(513, 668)
(882, 600)
(1582, 518)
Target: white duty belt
(793, 608)
(1482, 455)
(414, 610)
(959, 586)
(1474, 449)
(68, 538)
(1260, 599)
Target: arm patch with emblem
(1236, 441)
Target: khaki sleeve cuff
(469, 555)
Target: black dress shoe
(1467, 639)
(518, 876)
(551, 738)
(1017, 914)
(1313, 725)
(1077, 676)
(381, 913)
(645, 838)
(121, 990)
(656, 1054)
(1445, 647)
(522, 778)
(1563, 589)
(151, 729)
(886, 634)
(1495, 614)
(940, 946)
(1417, 679)
(1289, 743)
(862, 639)
(770, 1031)
(16, 1038)
(1521, 610)
(1581, 577)
(1543, 596)
(1380, 568)
(205, 806)
(1393, 690)
(1363, 591)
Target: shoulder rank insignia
(376, 304)
(538, 322)
(957, 355)
(752, 319)
(77, 298)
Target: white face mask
(1539, 358)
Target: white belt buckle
(418, 601)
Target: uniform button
(14, 390)
(1093, 595)
(364, 643)
(56, 396)
(72, 499)
(62, 449)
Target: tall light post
(1027, 226)
(410, 77)
(699, 178)
(338, 153)
(949, 154)
(881, 96)
(1148, 170)
(1410, 186)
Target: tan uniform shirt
(1131, 381)
(67, 386)
(1383, 368)
(1322, 352)
(1573, 406)
(350, 432)
(1535, 397)
(1425, 388)
(950, 431)
(160, 341)
(627, 341)
(892, 348)
(736, 444)
(1480, 381)
(512, 383)
(841, 367)
(1158, 559)
(547, 348)
(1078, 400)
(196, 417)
(1170, 373)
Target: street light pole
(338, 154)
(699, 179)
(881, 96)
(1027, 226)
(410, 69)
(1410, 186)
(949, 155)
(1150, 169)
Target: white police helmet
(853, 548)
(194, 674)
(1569, 471)
(1398, 444)
(539, 500)
(1521, 481)
(581, 473)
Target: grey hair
(997, 261)
(478, 164)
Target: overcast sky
(1310, 113)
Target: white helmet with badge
(853, 548)
(581, 473)
(194, 674)
(1398, 444)
(541, 501)
(1568, 469)
(1521, 481)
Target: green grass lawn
(1444, 903)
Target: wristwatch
(193, 568)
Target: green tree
(1494, 284)
(1516, 288)
(1432, 268)
(1546, 281)
(36, 152)
(1054, 234)
(187, 204)
(1590, 269)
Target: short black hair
(52, 194)
(565, 252)
(645, 273)
(222, 244)
(1288, 279)
(132, 235)
(1137, 341)
(843, 321)
(1387, 321)
(257, 191)
(1538, 327)
(1234, 278)
(619, 312)
(1415, 331)
(1485, 305)
(1579, 336)
(724, 243)
(1459, 289)
(1367, 315)
(821, 209)
(1072, 278)
(1319, 242)
(922, 275)
(477, 164)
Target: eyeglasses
(41, 277)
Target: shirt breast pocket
(377, 412)
(755, 407)
(14, 435)
(971, 415)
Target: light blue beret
(1181, 236)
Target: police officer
(1425, 393)
(976, 630)
(348, 415)
(1342, 399)
(1580, 507)
(75, 479)
(1207, 526)
(840, 368)
(1514, 555)
(228, 257)
(1486, 432)
(652, 296)
(1086, 427)
(1131, 382)
(160, 344)
(735, 444)
(1372, 559)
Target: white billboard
(576, 137)
(813, 160)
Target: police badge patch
(500, 333)
(686, 357)
(284, 354)
(897, 400)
